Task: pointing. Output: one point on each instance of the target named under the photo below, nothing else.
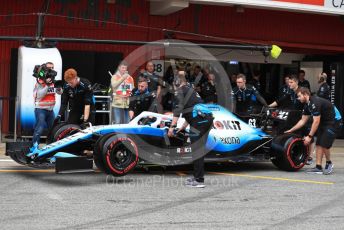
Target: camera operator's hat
(70, 74)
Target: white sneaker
(309, 161)
(195, 184)
(328, 168)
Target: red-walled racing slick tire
(289, 152)
(119, 154)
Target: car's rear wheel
(289, 152)
(119, 154)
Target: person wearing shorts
(323, 126)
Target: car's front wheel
(61, 131)
(97, 151)
(119, 154)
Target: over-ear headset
(323, 77)
(177, 81)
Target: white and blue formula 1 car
(117, 149)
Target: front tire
(97, 151)
(119, 154)
(61, 131)
(64, 130)
(289, 152)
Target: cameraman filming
(79, 94)
(44, 97)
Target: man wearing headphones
(188, 103)
(324, 88)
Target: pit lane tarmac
(237, 196)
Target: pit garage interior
(311, 36)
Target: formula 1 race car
(117, 149)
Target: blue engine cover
(229, 133)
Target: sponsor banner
(307, 2)
(318, 6)
(332, 4)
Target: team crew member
(302, 81)
(324, 88)
(255, 82)
(285, 88)
(79, 94)
(154, 85)
(208, 90)
(200, 119)
(323, 126)
(245, 96)
(289, 100)
(44, 97)
(197, 75)
(324, 92)
(141, 99)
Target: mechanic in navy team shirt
(208, 90)
(155, 84)
(289, 99)
(323, 126)
(188, 103)
(302, 81)
(245, 96)
(285, 88)
(141, 99)
(324, 88)
(78, 94)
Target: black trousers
(74, 117)
(199, 130)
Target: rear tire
(119, 154)
(288, 152)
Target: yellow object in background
(275, 51)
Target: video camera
(42, 72)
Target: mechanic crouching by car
(79, 94)
(141, 99)
(200, 118)
(323, 126)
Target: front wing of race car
(49, 156)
